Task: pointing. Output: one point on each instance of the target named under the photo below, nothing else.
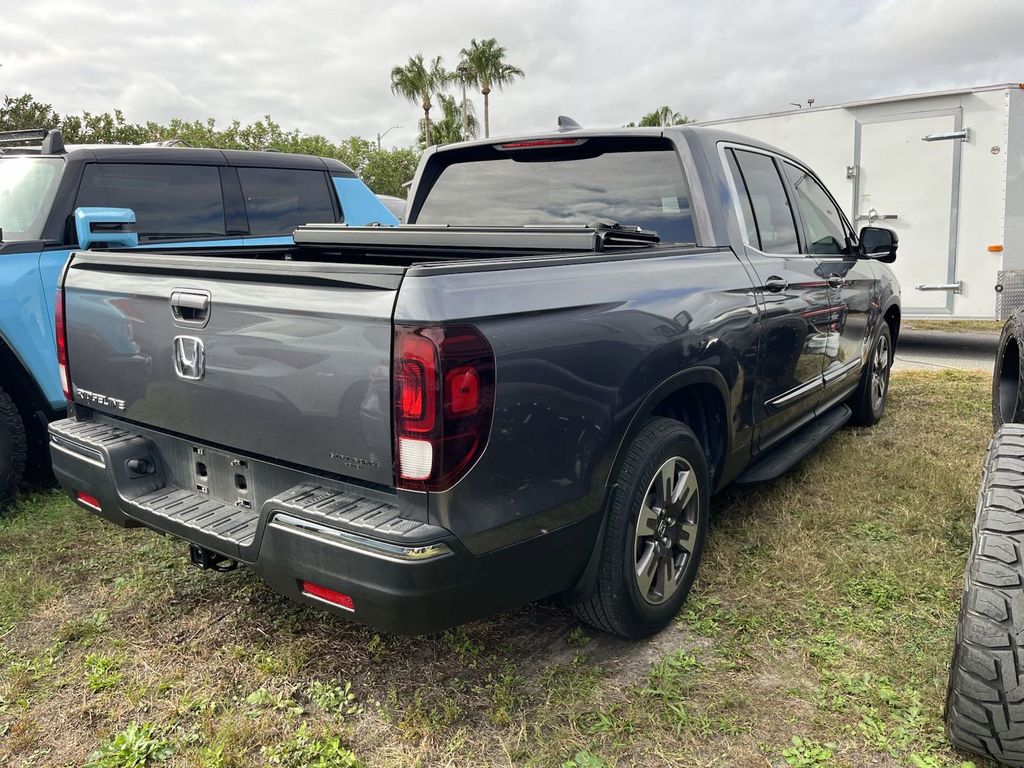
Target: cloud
(324, 67)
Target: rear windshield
(27, 188)
(635, 182)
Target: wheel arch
(697, 397)
(893, 315)
(16, 380)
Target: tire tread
(985, 697)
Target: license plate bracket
(222, 476)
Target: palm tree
(663, 117)
(448, 129)
(417, 81)
(486, 68)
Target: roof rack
(52, 141)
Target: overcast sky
(323, 67)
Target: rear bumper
(403, 576)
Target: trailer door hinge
(851, 171)
(963, 135)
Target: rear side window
(825, 231)
(170, 201)
(632, 182)
(773, 217)
(277, 200)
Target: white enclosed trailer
(945, 170)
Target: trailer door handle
(192, 307)
(775, 284)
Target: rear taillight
(443, 402)
(62, 344)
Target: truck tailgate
(285, 360)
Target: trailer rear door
(909, 183)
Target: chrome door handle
(775, 284)
(835, 281)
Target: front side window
(277, 200)
(773, 217)
(170, 201)
(825, 230)
(27, 188)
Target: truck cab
(180, 196)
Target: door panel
(851, 286)
(911, 180)
(797, 337)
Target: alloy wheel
(666, 530)
(879, 373)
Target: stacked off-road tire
(985, 698)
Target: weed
(304, 751)
(102, 672)
(807, 753)
(335, 700)
(262, 699)
(584, 759)
(137, 746)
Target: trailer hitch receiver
(208, 560)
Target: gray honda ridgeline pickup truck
(532, 390)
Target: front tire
(985, 697)
(868, 402)
(657, 526)
(13, 451)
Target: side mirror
(879, 243)
(113, 227)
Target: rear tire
(13, 451)
(985, 697)
(868, 401)
(1007, 403)
(657, 525)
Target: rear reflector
(89, 501)
(329, 595)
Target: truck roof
(703, 134)
(125, 153)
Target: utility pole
(463, 72)
(382, 135)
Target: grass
(818, 634)
(955, 326)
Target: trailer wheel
(657, 525)
(1007, 403)
(13, 451)
(985, 697)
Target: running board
(795, 448)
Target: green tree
(662, 117)
(383, 171)
(448, 129)
(487, 69)
(417, 81)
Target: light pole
(463, 72)
(382, 135)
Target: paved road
(935, 350)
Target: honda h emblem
(189, 357)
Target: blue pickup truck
(55, 199)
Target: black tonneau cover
(422, 240)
